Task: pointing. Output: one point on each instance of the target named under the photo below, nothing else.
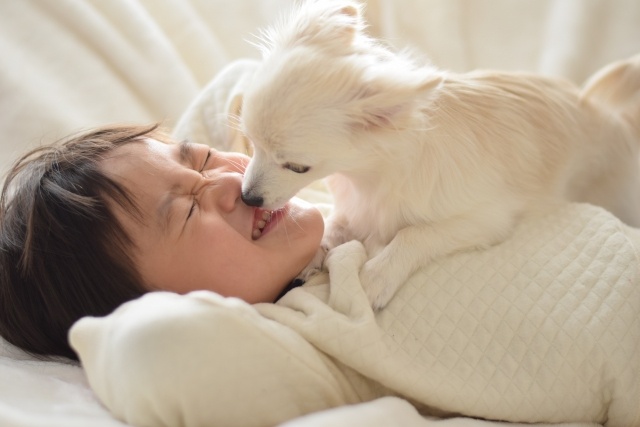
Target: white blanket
(543, 328)
(73, 64)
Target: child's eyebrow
(185, 151)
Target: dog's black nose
(256, 201)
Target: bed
(74, 64)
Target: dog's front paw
(379, 283)
(315, 266)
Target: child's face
(197, 233)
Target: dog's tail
(618, 87)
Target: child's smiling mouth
(260, 221)
(265, 220)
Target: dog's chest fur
(366, 210)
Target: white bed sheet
(72, 64)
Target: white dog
(425, 162)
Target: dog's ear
(388, 104)
(325, 23)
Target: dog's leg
(415, 246)
(314, 267)
(336, 233)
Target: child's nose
(225, 190)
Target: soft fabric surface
(542, 328)
(72, 64)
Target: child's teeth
(261, 224)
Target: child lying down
(542, 328)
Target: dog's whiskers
(293, 218)
(239, 165)
(286, 232)
(234, 122)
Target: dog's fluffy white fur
(424, 162)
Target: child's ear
(388, 104)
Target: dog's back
(545, 137)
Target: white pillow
(203, 360)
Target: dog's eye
(296, 168)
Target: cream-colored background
(70, 64)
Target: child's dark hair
(63, 253)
